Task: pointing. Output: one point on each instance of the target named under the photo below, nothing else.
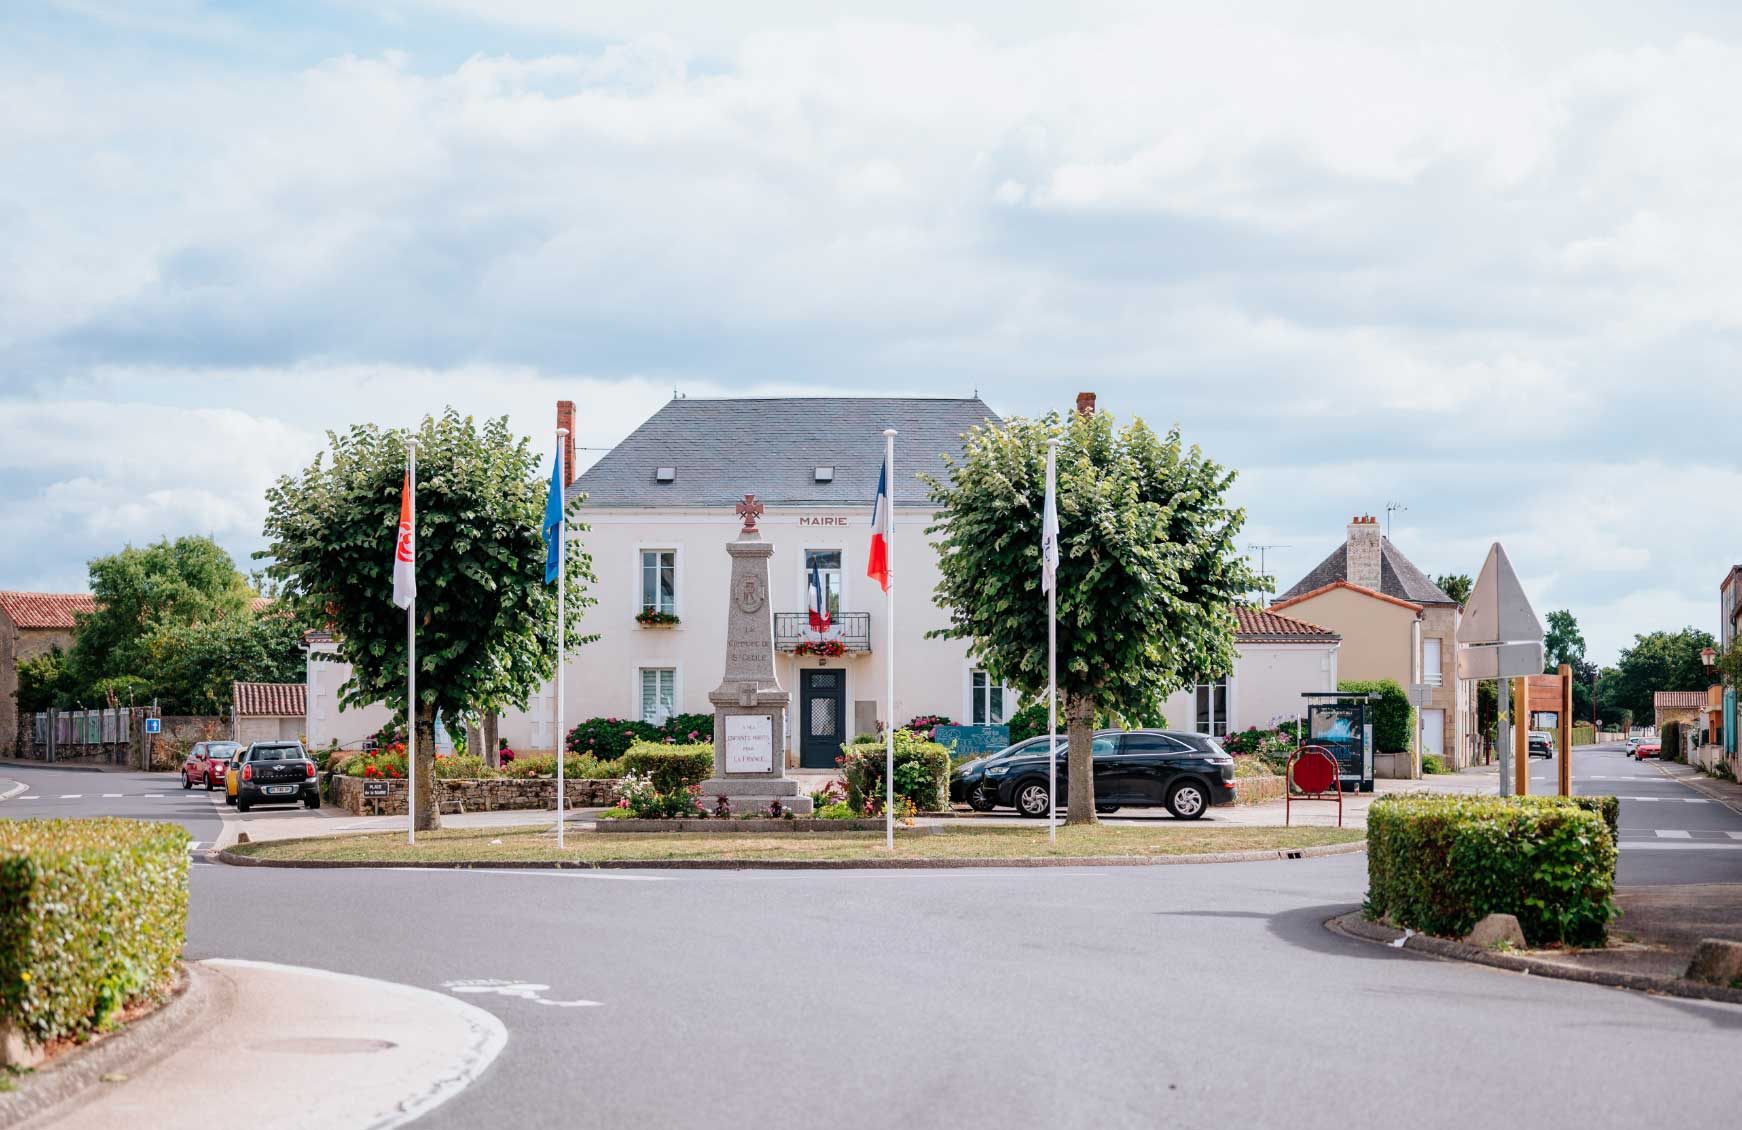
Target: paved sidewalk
(287, 1047)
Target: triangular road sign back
(1498, 611)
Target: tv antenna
(1263, 598)
(1390, 507)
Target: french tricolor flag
(878, 566)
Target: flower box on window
(823, 649)
(652, 618)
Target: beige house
(31, 624)
(1395, 624)
(268, 712)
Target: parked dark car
(1186, 773)
(1541, 745)
(206, 764)
(276, 773)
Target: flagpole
(411, 658)
(1052, 661)
(562, 560)
(889, 645)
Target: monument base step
(749, 786)
(760, 803)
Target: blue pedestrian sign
(154, 725)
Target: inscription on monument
(749, 743)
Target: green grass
(538, 844)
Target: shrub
(1029, 722)
(922, 772)
(609, 738)
(1432, 764)
(466, 766)
(543, 765)
(671, 767)
(1393, 716)
(923, 726)
(377, 763)
(645, 801)
(92, 915)
(1440, 864)
(683, 729)
(1672, 742)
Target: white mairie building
(661, 507)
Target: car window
(276, 753)
(1155, 743)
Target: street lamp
(1708, 660)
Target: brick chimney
(1364, 551)
(565, 418)
(1085, 404)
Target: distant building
(31, 624)
(1678, 706)
(268, 712)
(1729, 605)
(1395, 624)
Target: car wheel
(185, 783)
(1032, 800)
(210, 786)
(1187, 800)
(1106, 809)
(981, 800)
(228, 799)
(241, 805)
(312, 802)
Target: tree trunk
(492, 747)
(1080, 735)
(422, 774)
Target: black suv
(1184, 772)
(276, 773)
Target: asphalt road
(1193, 995)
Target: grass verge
(538, 844)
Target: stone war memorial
(750, 704)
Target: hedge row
(92, 915)
(1393, 716)
(1440, 864)
(922, 772)
(610, 738)
(672, 767)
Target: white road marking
(522, 990)
(1669, 834)
(33, 796)
(110, 796)
(159, 796)
(1679, 846)
(1734, 835)
(80, 796)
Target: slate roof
(1398, 576)
(270, 700)
(1261, 625)
(723, 449)
(45, 609)
(1677, 700)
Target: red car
(206, 764)
(1650, 747)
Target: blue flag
(553, 519)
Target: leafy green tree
(45, 682)
(1657, 661)
(190, 580)
(194, 665)
(1456, 585)
(1148, 574)
(486, 620)
(1562, 642)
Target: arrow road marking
(522, 990)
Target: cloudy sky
(1483, 265)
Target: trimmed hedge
(672, 767)
(922, 772)
(575, 768)
(1440, 864)
(92, 915)
(610, 738)
(1393, 716)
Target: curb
(1698, 784)
(237, 860)
(139, 1043)
(1356, 925)
(59, 767)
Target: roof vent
(825, 474)
(666, 474)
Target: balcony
(851, 629)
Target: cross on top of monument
(749, 510)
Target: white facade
(1265, 688)
(327, 722)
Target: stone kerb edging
(141, 1042)
(1358, 926)
(769, 825)
(236, 859)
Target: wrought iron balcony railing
(851, 629)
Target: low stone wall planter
(772, 825)
(480, 794)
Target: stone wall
(488, 794)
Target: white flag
(1049, 534)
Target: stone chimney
(1085, 404)
(1364, 551)
(565, 418)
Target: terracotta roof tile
(1261, 624)
(44, 609)
(1672, 700)
(270, 700)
